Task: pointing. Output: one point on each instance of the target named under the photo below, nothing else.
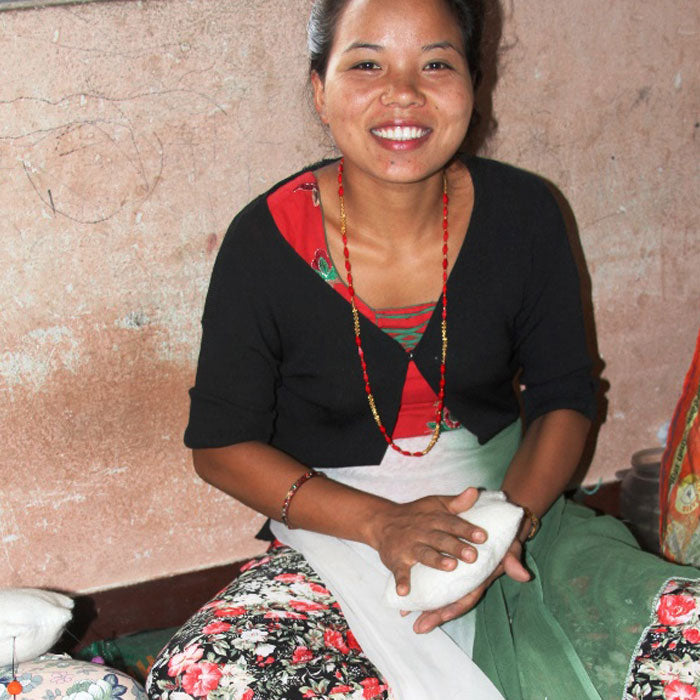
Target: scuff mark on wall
(134, 320)
(8, 536)
(41, 352)
(642, 96)
(54, 499)
(84, 161)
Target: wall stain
(134, 320)
(642, 96)
(212, 243)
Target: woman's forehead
(379, 22)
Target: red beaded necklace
(356, 322)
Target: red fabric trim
(296, 209)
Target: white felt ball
(433, 588)
(34, 618)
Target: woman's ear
(319, 96)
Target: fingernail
(468, 555)
(479, 537)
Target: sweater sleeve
(233, 397)
(549, 329)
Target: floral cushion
(667, 662)
(52, 677)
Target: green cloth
(571, 632)
(132, 653)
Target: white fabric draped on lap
(430, 666)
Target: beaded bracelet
(534, 522)
(292, 490)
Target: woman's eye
(365, 65)
(438, 65)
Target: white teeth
(400, 133)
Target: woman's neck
(395, 232)
(392, 214)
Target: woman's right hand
(428, 531)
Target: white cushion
(34, 618)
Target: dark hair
(325, 15)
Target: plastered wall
(131, 132)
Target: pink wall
(151, 123)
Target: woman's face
(397, 95)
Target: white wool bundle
(433, 588)
(34, 619)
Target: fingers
(429, 620)
(510, 565)
(442, 543)
(515, 569)
(402, 576)
(443, 540)
(454, 527)
(437, 560)
(425, 555)
(429, 532)
(463, 501)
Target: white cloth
(429, 666)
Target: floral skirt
(275, 633)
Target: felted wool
(432, 588)
(34, 619)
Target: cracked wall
(131, 132)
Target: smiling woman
(365, 322)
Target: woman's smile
(401, 137)
(400, 133)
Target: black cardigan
(278, 362)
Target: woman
(365, 312)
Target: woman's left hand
(510, 565)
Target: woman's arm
(426, 530)
(539, 472)
(546, 461)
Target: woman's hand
(511, 565)
(428, 531)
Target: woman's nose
(401, 91)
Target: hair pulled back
(325, 15)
